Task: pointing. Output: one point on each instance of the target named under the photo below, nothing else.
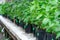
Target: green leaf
(58, 35)
(45, 21)
(38, 17)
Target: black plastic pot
(12, 20)
(5, 15)
(8, 17)
(17, 21)
(34, 27)
(28, 28)
(41, 34)
(21, 24)
(51, 36)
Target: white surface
(17, 31)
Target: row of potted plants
(40, 17)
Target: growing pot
(5, 15)
(28, 28)
(21, 24)
(41, 34)
(34, 27)
(9, 17)
(51, 36)
(12, 20)
(17, 21)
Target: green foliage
(1, 12)
(44, 13)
